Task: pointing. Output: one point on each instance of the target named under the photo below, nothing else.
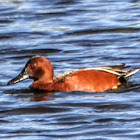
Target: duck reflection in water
(93, 79)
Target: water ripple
(72, 34)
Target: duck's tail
(130, 74)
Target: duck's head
(37, 68)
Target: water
(72, 34)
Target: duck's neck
(44, 83)
(48, 73)
(46, 79)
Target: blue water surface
(72, 34)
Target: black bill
(23, 75)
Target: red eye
(34, 65)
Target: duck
(91, 79)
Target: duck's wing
(118, 70)
(115, 69)
(119, 67)
(61, 77)
(122, 71)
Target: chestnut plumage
(93, 79)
